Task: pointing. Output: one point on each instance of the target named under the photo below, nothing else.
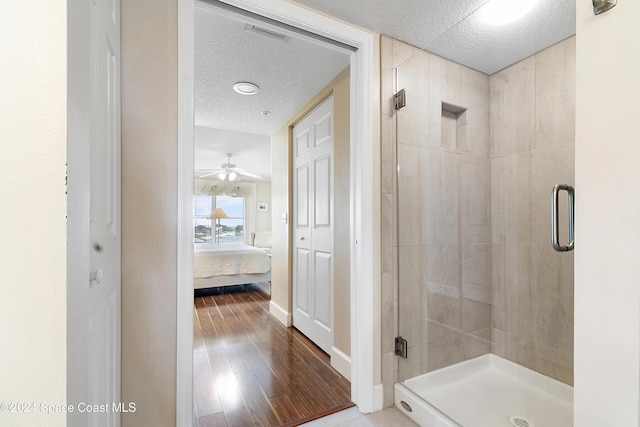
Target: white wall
(607, 254)
(32, 219)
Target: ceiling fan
(229, 172)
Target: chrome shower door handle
(555, 222)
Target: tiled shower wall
(532, 149)
(442, 244)
(471, 230)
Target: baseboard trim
(341, 362)
(282, 315)
(378, 397)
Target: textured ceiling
(454, 28)
(288, 74)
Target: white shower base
(485, 392)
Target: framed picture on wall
(263, 206)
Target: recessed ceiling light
(502, 12)
(246, 88)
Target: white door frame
(364, 346)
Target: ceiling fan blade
(208, 172)
(243, 172)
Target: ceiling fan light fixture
(233, 176)
(246, 88)
(222, 175)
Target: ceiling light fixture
(502, 12)
(246, 88)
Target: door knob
(96, 276)
(302, 238)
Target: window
(230, 230)
(201, 222)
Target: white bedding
(225, 260)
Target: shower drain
(520, 421)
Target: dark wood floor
(250, 370)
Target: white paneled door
(313, 225)
(104, 281)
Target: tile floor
(352, 417)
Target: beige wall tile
(555, 94)
(553, 370)
(556, 67)
(443, 172)
(388, 377)
(476, 272)
(551, 273)
(437, 331)
(412, 276)
(498, 343)
(413, 119)
(513, 109)
(476, 200)
(555, 118)
(388, 313)
(446, 352)
(549, 166)
(445, 309)
(402, 52)
(444, 267)
(517, 198)
(553, 322)
(498, 287)
(387, 232)
(510, 199)
(521, 350)
(475, 346)
(475, 96)
(411, 195)
(446, 78)
(476, 316)
(498, 203)
(387, 76)
(479, 143)
(517, 282)
(415, 364)
(387, 153)
(474, 78)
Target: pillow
(262, 239)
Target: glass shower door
(443, 187)
(484, 303)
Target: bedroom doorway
(213, 336)
(360, 187)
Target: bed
(225, 265)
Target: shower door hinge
(400, 99)
(401, 347)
